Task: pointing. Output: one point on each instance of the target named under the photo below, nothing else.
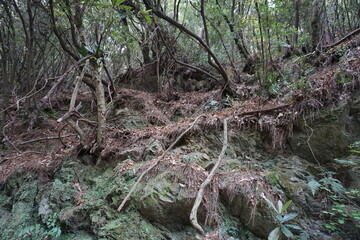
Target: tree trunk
(101, 109)
(315, 25)
(297, 21)
(237, 37)
(4, 76)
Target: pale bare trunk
(101, 109)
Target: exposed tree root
(200, 194)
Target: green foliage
(341, 209)
(314, 186)
(147, 15)
(212, 105)
(339, 214)
(229, 101)
(342, 78)
(49, 113)
(346, 163)
(39, 232)
(282, 219)
(327, 183)
(355, 147)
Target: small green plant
(343, 79)
(282, 219)
(355, 147)
(340, 208)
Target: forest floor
(161, 117)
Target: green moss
(21, 214)
(129, 225)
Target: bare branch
(347, 37)
(182, 63)
(69, 113)
(7, 138)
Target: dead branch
(83, 138)
(45, 101)
(200, 194)
(264, 110)
(74, 110)
(28, 95)
(46, 138)
(70, 113)
(156, 162)
(77, 86)
(89, 122)
(59, 134)
(308, 141)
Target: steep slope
(294, 147)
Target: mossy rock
(329, 134)
(260, 220)
(19, 208)
(164, 201)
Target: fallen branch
(83, 139)
(7, 138)
(347, 37)
(200, 194)
(46, 138)
(45, 101)
(199, 40)
(59, 134)
(264, 110)
(156, 162)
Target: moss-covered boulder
(165, 199)
(327, 136)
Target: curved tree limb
(182, 63)
(46, 139)
(182, 28)
(200, 194)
